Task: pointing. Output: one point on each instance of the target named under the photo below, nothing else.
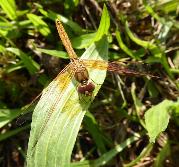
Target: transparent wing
(51, 97)
(119, 67)
(62, 76)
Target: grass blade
(56, 53)
(124, 47)
(105, 158)
(13, 132)
(7, 115)
(9, 8)
(41, 26)
(29, 63)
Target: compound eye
(86, 89)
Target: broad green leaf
(41, 26)
(157, 118)
(52, 137)
(7, 115)
(9, 8)
(106, 157)
(81, 41)
(56, 53)
(29, 63)
(104, 25)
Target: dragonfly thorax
(81, 74)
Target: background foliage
(129, 113)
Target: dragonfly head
(86, 88)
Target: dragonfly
(78, 69)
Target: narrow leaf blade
(9, 8)
(41, 26)
(29, 63)
(55, 53)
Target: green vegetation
(132, 120)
